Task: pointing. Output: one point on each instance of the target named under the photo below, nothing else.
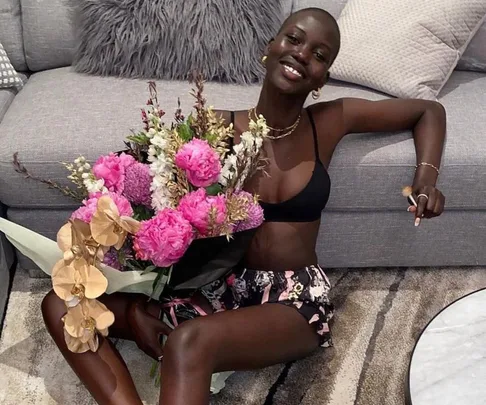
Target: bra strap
(314, 134)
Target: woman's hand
(147, 329)
(430, 203)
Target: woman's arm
(427, 120)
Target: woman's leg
(241, 339)
(104, 373)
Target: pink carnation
(111, 168)
(164, 238)
(86, 212)
(255, 213)
(137, 184)
(196, 207)
(200, 163)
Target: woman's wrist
(425, 176)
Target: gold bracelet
(427, 164)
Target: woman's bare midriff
(281, 246)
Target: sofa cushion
(474, 58)
(170, 39)
(419, 46)
(334, 7)
(6, 98)
(11, 33)
(71, 114)
(47, 33)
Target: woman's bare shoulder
(329, 114)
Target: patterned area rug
(380, 313)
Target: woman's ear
(267, 48)
(326, 79)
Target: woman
(269, 315)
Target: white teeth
(292, 70)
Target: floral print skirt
(306, 290)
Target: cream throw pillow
(406, 48)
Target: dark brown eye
(293, 39)
(321, 57)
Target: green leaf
(155, 373)
(214, 189)
(131, 266)
(160, 282)
(185, 132)
(149, 269)
(140, 139)
(142, 213)
(210, 137)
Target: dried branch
(200, 124)
(20, 168)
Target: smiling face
(299, 57)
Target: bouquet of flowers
(170, 209)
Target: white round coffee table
(448, 364)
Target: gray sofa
(60, 114)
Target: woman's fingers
(421, 199)
(430, 203)
(148, 329)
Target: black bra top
(308, 204)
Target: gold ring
(423, 195)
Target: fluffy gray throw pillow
(170, 39)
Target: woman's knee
(191, 343)
(53, 309)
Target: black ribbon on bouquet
(208, 259)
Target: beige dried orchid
(75, 240)
(84, 322)
(78, 279)
(108, 227)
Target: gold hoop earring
(316, 94)
(264, 59)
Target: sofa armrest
(7, 260)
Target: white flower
(159, 141)
(93, 186)
(238, 148)
(248, 139)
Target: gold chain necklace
(290, 129)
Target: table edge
(408, 395)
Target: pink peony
(86, 212)
(200, 162)
(204, 212)
(164, 238)
(255, 213)
(111, 168)
(137, 184)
